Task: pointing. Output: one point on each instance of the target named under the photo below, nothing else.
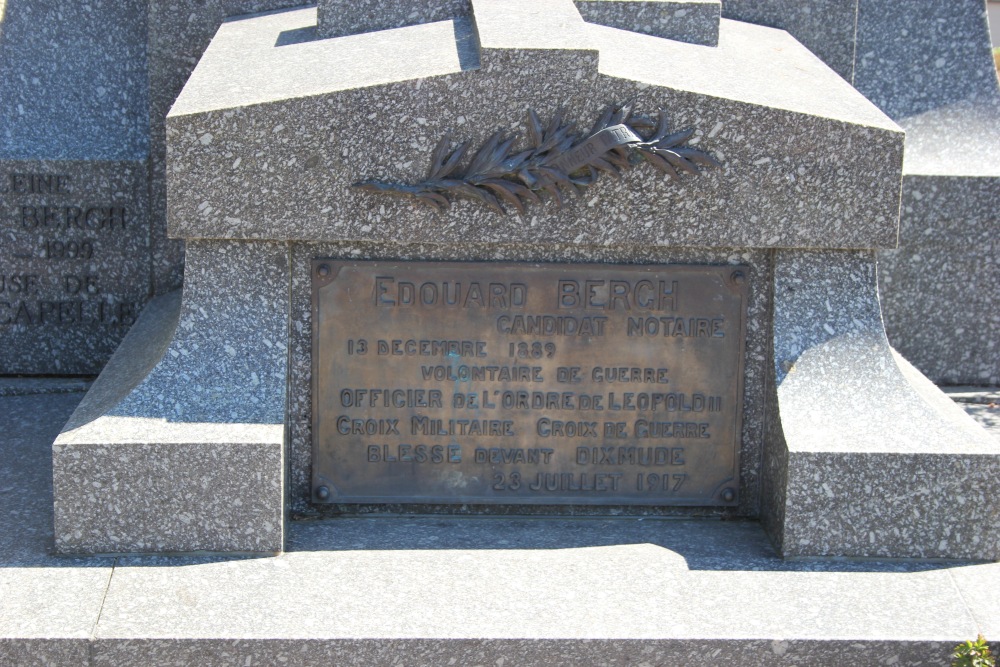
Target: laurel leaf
(506, 195)
(453, 160)
(552, 140)
(555, 123)
(534, 128)
(437, 157)
(675, 139)
(491, 201)
(518, 189)
(659, 163)
(500, 154)
(643, 124)
(484, 154)
(528, 178)
(605, 166)
(466, 189)
(662, 126)
(554, 193)
(617, 158)
(619, 115)
(698, 157)
(433, 201)
(602, 122)
(587, 180)
(677, 161)
(556, 175)
(514, 162)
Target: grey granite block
(178, 446)
(693, 21)
(74, 265)
(929, 56)
(300, 344)
(351, 17)
(865, 456)
(931, 70)
(179, 31)
(74, 262)
(65, 95)
(825, 27)
(528, 652)
(44, 652)
(48, 607)
(939, 289)
(787, 130)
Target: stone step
(463, 591)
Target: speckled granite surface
(463, 591)
(825, 27)
(179, 31)
(909, 62)
(792, 176)
(74, 262)
(351, 17)
(939, 289)
(74, 265)
(693, 21)
(865, 456)
(932, 71)
(179, 445)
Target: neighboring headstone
(930, 69)
(82, 162)
(263, 160)
(74, 230)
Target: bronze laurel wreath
(497, 174)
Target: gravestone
(74, 262)
(316, 347)
(931, 70)
(82, 164)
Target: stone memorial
(511, 332)
(674, 312)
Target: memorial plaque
(586, 384)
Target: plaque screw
(323, 493)
(728, 495)
(323, 270)
(738, 277)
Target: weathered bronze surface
(557, 161)
(440, 382)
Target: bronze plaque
(597, 384)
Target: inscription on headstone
(73, 265)
(527, 384)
